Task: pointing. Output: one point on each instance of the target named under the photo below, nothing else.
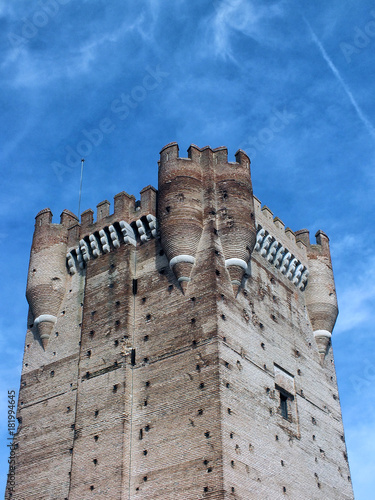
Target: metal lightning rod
(80, 189)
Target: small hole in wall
(192, 321)
(145, 338)
(231, 435)
(117, 322)
(115, 388)
(95, 461)
(161, 252)
(170, 288)
(144, 300)
(232, 463)
(117, 303)
(148, 317)
(233, 490)
(223, 317)
(147, 384)
(205, 489)
(224, 339)
(115, 343)
(262, 345)
(52, 373)
(92, 333)
(56, 334)
(168, 209)
(28, 345)
(145, 360)
(298, 372)
(200, 412)
(201, 385)
(217, 252)
(194, 343)
(192, 299)
(215, 230)
(91, 487)
(62, 313)
(68, 409)
(198, 368)
(209, 469)
(96, 413)
(88, 353)
(147, 428)
(145, 452)
(276, 437)
(96, 438)
(261, 326)
(217, 272)
(227, 385)
(71, 451)
(144, 478)
(207, 434)
(284, 489)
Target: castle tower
(179, 348)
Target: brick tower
(179, 348)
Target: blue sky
(291, 83)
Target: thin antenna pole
(80, 188)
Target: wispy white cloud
(366, 122)
(242, 16)
(357, 293)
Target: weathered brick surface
(145, 391)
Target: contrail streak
(335, 71)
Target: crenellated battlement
(279, 246)
(218, 155)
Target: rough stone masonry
(179, 348)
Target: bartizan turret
(180, 210)
(320, 293)
(46, 284)
(235, 212)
